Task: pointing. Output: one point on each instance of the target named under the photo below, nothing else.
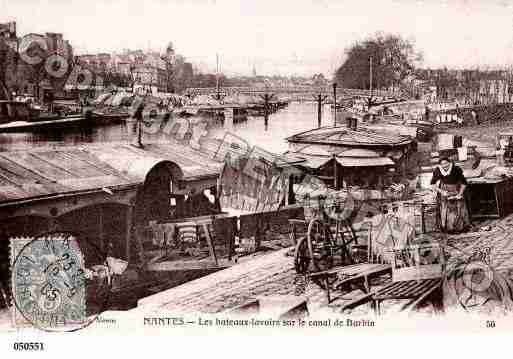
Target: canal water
(295, 118)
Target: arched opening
(153, 200)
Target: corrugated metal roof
(42, 172)
(343, 136)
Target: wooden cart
(331, 256)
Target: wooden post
(128, 231)
(218, 95)
(266, 111)
(210, 243)
(370, 76)
(267, 98)
(228, 118)
(405, 162)
(335, 174)
(335, 104)
(320, 99)
(139, 117)
(100, 227)
(258, 235)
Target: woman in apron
(449, 184)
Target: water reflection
(295, 118)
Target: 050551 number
(19, 346)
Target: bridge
(298, 91)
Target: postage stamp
(49, 283)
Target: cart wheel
(320, 245)
(348, 239)
(302, 258)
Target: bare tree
(4, 68)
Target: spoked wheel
(302, 258)
(304, 264)
(320, 245)
(345, 239)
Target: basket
(117, 266)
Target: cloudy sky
(285, 37)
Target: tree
(319, 80)
(8, 61)
(393, 59)
(4, 93)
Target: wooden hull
(61, 123)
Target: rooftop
(343, 136)
(45, 172)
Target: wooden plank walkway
(267, 274)
(273, 274)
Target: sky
(277, 37)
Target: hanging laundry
(158, 236)
(169, 233)
(457, 141)
(462, 153)
(445, 141)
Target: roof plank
(41, 172)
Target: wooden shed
(350, 155)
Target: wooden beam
(128, 231)
(100, 228)
(210, 244)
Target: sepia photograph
(297, 167)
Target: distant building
(8, 34)
(181, 77)
(150, 78)
(145, 70)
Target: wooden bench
(416, 291)
(359, 275)
(417, 276)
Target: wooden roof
(44, 172)
(313, 161)
(343, 136)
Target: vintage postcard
(308, 167)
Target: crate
(417, 262)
